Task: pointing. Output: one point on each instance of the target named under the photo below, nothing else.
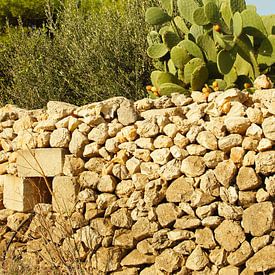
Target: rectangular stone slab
(65, 191)
(40, 162)
(22, 194)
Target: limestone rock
(147, 128)
(269, 127)
(265, 162)
(197, 260)
(258, 218)
(163, 141)
(126, 113)
(255, 115)
(247, 179)
(168, 260)
(171, 170)
(239, 256)
(258, 243)
(262, 260)
(225, 172)
(161, 156)
(187, 222)
(193, 166)
(107, 259)
(73, 166)
(143, 228)
(207, 139)
(121, 218)
(77, 143)
(229, 270)
(155, 191)
(107, 183)
(167, 213)
(229, 235)
(135, 258)
(205, 238)
(237, 125)
(180, 190)
(99, 134)
(213, 158)
(230, 141)
(58, 110)
(196, 150)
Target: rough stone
(247, 179)
(225, 172)
(73, 166)
(193, 166)
(65, 191)
(180, 190)
(167, 213)
(258, 218)
(226, 143)
(58, 110)
(60, 138)
(265, 162)
(229, 235)
(135, 258)
(77, 143)
(197, 260)
(168, 260)
(38, 162)
(237, 125)
(22, 194)
(262, 260)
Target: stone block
(40, 162)
(22, 194)
(65, 191)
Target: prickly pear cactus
(193, 42)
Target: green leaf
(187, 8)
(156, 16)
(253, 24)
(157, 51)
(237, 24)
(212, 12)
(225, 62)
(199, 17)
(192, 48)
(168, 6)
(237, 5)
(170, 39)
(169, 88)
(199, 78)
(180, 56)
(208, 46)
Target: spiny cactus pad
(156, 16)
(157, 50)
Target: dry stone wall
(180, 185)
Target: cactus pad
(212, 12)
(190, 67)
(156, 16)
(169, 88)
(180, 56)
(225, 61)
(237, 24)
(208, 46)
(199, 17)
(187, 8)
(153, 37)
(168, 6)
(158, 78)
(170, 39)
(199, 78)
(192, 48)
(237, 5)
(157, 51)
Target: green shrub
(79, 58)
(31, 12)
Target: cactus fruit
(217, 28)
